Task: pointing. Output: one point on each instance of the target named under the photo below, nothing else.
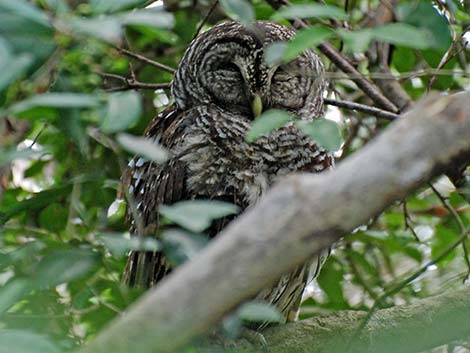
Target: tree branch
(416, 327)
(362, 108)
(131, 83)
(298, 217)
(146, 60)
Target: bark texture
(300, 216)
(426, 324)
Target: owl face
(226, 66)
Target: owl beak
(257, 106)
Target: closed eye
(228, 66)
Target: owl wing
(151, 184)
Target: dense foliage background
(68, 115)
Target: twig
(353, 131)
(407, 218)
(146, 60)
(131, 83)
(331, 75)
(380, 113)
(204, 20)
(451, 53)
(459, 221)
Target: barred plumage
(222, 71)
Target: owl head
(225, 66)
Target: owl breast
(221, 162)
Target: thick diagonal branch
(299, 216)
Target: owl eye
(229, 66)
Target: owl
(220, 87)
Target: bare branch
(146, 60)
(131, 83)
(362, 108)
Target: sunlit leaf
(324, 132)
(197, 215)
(274, 53)
(17, 341)
(306, 38)
(64, 266)
(105, 28)
(240, 10)
(123, 111)
(149, 17)
(355, 41)
(294, 11)
(143, 147)
(116, 211)
(267, 122)
(119, 245)
(259, 312)
(106, 6)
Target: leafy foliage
(63, 233)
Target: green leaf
(239, 10)
(292, 12)
(149, 17)
(106, 28)
(54, 100)
(180, 246)
(425, 16)
(53, 217)
(403, 34)
(274, 53)
(119, 245)
(6, 156)
(18, 341)
(26, 10)
(197, 215)
(306, 38)
(330, 279)
(64, 266)
(259, 312)
(34, 202)
(123, 111)
(267, 122)
(143, 147)
(106, 6)
(356, 41)
(116, 211)
(13, 292)
(12, 66)
(324, 132)
(28, 31)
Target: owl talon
(255, 338)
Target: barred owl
(219, 88)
